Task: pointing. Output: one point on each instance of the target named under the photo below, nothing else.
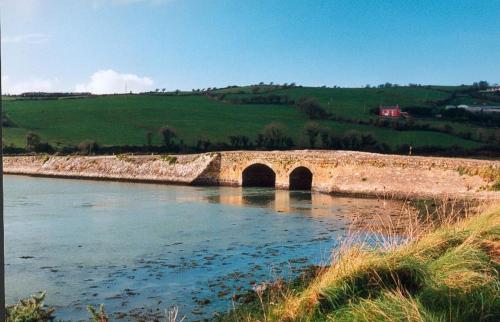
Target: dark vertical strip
(2, 253)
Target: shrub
(32, 309)
(239, 141)
(311, 108)
(312, 130)
(274, 136)
(32, 141)
(98, 315)
(34, 144)
(124, 157)
(88, 147)
(168, 135)
(169, 159)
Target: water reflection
(307, 203)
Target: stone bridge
(355, 173)
(341, 172)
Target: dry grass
(444, 269)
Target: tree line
(273, 136)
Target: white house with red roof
(391, 111)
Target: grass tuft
(443, 272)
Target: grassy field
(126, 119)
(444, 274)
(355, 102)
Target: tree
(312, 130)
(203, 144)
(368, 140)
(481, 85)
(325, 138)
(311, 107)
(168, 135)
(239, 141)
(352, 140)
(329, 139)
(274, 136)
(32, 141)
(88, 147)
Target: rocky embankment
(180, 169)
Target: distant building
(480, 108)
(391, 111)
(493, 89)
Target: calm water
(140, 249)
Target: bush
(34, 144)
(32, 140)
(32, 309)
(88, 147)
(97, 315)
(311, 107)
(239, 141)
(274, 137)
(169, 159)
(312, 130)
(168, 135)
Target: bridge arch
(258, 175)
(300, 179)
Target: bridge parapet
(366, 173)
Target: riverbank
(446, 274)
(338, 172)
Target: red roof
(389, 107)
(390, 111)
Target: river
(142, 248)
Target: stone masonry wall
(342, 172)
(361, 173)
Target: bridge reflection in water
(362, 212)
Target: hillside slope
(118, 120)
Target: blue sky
(101, 45)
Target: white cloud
(35, 38)
(110, 82)
(31, 85)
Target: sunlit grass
(444, 272)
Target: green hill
(117, 120)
